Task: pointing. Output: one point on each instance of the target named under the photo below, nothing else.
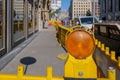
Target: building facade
(18, 9)
(110, 10)
(56, 4)
(43, 12)
(44, 8)
(96, 8)
(80, 7)
(63, 15)
(19, 19)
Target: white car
(87, 21)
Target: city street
(79, 39)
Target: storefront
(18, 20)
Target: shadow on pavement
(27, 61)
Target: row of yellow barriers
(107, 51)
(62, 32)
(20, 75)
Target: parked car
(87, 21)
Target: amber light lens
(80, 44)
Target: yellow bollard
(113, 55)
(99, 44)
(20, 71)
(103, 47)
(107, 51)
(60, 45)
(111, 73)
(49, 73)
(96, 41)
(119, 61)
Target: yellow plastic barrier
(20, 75)
(80, 45)
(111, 74)
(80, 64)
(61, 32)
(108, 52)
(119, 61)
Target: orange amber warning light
(80, 44)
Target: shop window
(30, 25)
(1, 26)
(18, 20)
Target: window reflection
(110, 6)
(18, 11)
(30, 25)
(117, 5)
(104, 6)
(1, 24)
(35, 18)
(114, 33)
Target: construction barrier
(107, 42)
(63, 33)
(21, 76)
(80, 64)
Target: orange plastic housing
(80, 44)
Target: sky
(65, 5)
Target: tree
(88, 13)
(52, 14)
(57, 11)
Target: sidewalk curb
(10, 56)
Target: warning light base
(80, 68)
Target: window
(104, 6)
(55, 1)
(110, 6)
(119, 5)
(103, 30)
(96, 28)
(18, 20)
(88, 20)
(2, 24)
(114, 33)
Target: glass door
(18, 22)
(2, 27)
(30, 17)
(36, 16)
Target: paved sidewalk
(39, 54)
